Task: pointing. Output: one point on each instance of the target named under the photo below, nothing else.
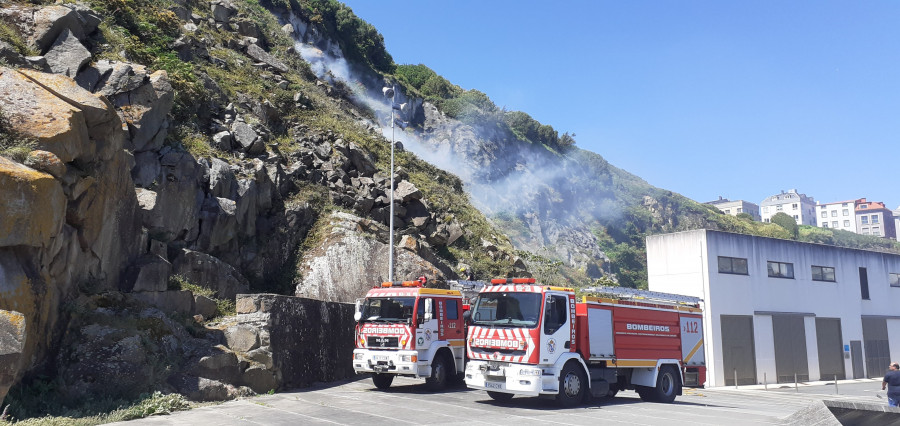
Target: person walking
(892, 382)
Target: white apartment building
(736, 207)
(792, 203)
(897, 222)
(774, 308)
(840, 215)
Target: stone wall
(308, 340)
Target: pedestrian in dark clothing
(892, 381)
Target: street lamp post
(389, 92)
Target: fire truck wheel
(572, 385)
(439, 371)
(382, 381)
(500, 396)
(667, 383)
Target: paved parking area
(408, 402)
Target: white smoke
(531, 182)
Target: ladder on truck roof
(646, 295)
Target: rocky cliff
(137, 190)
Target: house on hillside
(873, 218)
(736, 207)
(792, 203)
(840, 215)
(776, 308)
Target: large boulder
(32, 206)
(172, 211)
(145, 110)
(51, 21)
(261, 55)
(36, 113)
(209, 272)
(67, 55)
(12, 346)
(103, 124)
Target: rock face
(354, 255)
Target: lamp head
(388, 92)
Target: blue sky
(705, 98)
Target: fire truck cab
(408, 330)
(528, 339)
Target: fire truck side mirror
(358, 307)
(467, 316)
(429, 309)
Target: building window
(846, 212)
(846, 224)
(865, 231)
(824, 224)
(863, 206)
(796, 217)
(844, 205)
(781, 269)
(834, 224)
(732, 265)
(876, 230)
(740, 210)
(823, 273)
(727, 211)
(895, 280)
(824, 214)
(864, 220)
(778, 207)
(863, 284)
(834, 213)
(874, 218)
(794, 206)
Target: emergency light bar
(512, 281)
(417, 283)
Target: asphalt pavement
(358, 402)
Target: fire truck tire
(500, 396)
(572, 385)
(667, 384)
(440, 371)
(382, 381)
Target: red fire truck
(406, 329)
(529, 339)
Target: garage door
(790, 348)
(831, 353)
(875, 339)
(737, 349)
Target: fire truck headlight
(358, 356)
(409, 358)
(530, 372)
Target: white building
(775, 308)
(840, 215)
(897, 222)
(792, 203)
(736, 207)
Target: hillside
(160, 157)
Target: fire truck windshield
(507, 309)
(388, 309)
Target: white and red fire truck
(529, 339)
(406, 329)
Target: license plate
(494, 385)
(381, 357)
